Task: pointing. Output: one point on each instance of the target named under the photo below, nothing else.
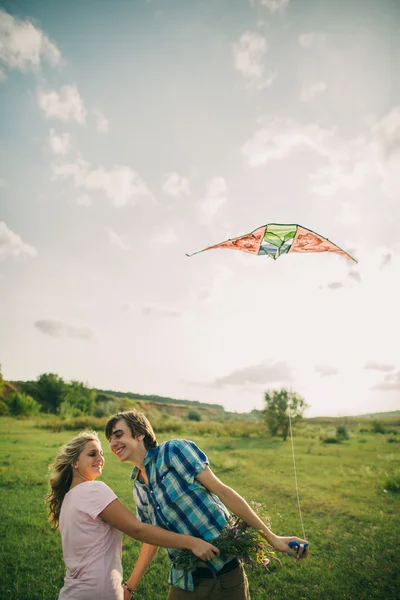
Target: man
(175, 488)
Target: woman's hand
(281, 544)
(204, 550)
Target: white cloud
(101, 121)
(23, 46)
(248, 55)
(61, 329)
(274, 6)
(60, 144)
(3, 76)
(120, 183)
(176, 185)
(306, 39)
(165, 237)
(11, 244)
(387, 132)
(351, 163)
(259, 374)
(84, 200)
(309, 92)
(215, 197)
(374, 366)
(66, 104)
(160, 312)
(118, 241)
(2, 182)
(326, 371)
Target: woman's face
(90, 461)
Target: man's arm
(238, 505)
(147, 553)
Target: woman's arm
(147, 553)
(121, 518)
(238, 505)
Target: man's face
(124, 446)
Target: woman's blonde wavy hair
(61, 473)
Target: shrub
(342, 433)
(22, 405)
(393, 484)
(3, 408)
(377, 427)
(330, 440)
(194, 415)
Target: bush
(342, 433)
(194, 415)
(393, 484)
(3, 409)
(22, 405)
(377, 427)
(330, 440)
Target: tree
(51, 389)
(22, 405)
(1, 381)
(276, 412)
(77, 400)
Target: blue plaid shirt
(175, 500)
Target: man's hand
(204, 550)
(281, 544)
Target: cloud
(60, 144)
(387, 132)
(391, 383)
(84, 200)
(101, 121)
(306, 40)
(260, 374)
(60, 329)
(2, 182)
(118, 241)
(335, 285)
(120, 183)
(326, 371)
(274, 6)
(168, 236)
(160, 312)
(215, 197)
(248, 55)
(386, 260)
(3, 76)
(355, 275)
(23, 45)
(350, 163)
(12, 245)
(176, 185)
(308, 93)
(373, 366)
(66, 104)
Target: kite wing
(273, 240)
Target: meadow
(349, 495)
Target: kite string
(295, 475)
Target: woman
(90, 519)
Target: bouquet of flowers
(236, 539)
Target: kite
(275, 239)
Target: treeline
(51, 394)
(163, 399)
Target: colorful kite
(273, 240)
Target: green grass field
(351, 520)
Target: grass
(350, 513)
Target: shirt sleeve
(98, 498)
(185, 458)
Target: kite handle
(298, 546)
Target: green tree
(194, 415)
(77, 400)
(50, 389)
(22, 405)
(1, 381)
(278, 403)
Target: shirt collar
(148, 457)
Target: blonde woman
(91, 518)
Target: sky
(134, 133)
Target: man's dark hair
(137, 423)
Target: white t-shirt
(92, 549)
